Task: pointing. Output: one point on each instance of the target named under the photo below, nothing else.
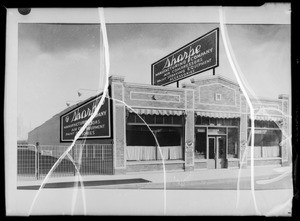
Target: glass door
(216, 152)
(211, 161)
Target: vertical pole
(177, 84)
(37, 160)
(214, 71)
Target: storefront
(216, 140)
(203, 125)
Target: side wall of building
(47, 133)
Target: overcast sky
(56, 60)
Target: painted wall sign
(200, 55)
(71, 122)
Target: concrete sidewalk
(170, 176)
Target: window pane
(216, 131)
(200, 144)
(219, 121)
(177, 120)
(139, 136)
(272, 138)
(211, 147)
(233, 142)
(221, 147)
(131, 118)
(168, 136)
(198, 120)
(167, 119)
(149, 119)
(205, 121)
(159, 119)
(212, 121)
(138, 118)
(267, 143)
(235, 121)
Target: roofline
(67, 109)
(217, 76)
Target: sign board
(216, 131)
(200, 55)
(46, 152)
(259, 131)
(71, 122)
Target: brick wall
(153, 96)
(205, 95)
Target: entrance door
(216, 152)
(211, 161)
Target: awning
(156, 111)
(218, 114)
(266, 117)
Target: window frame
(162, 125)
(256, 127)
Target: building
(204, 124)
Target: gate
(90, 159)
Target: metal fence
(90, 159)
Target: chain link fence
(90, 159)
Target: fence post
(37, 160)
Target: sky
(55, 60)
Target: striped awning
(266, 117)
(217, 114)
(156, 111)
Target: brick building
(204, 124)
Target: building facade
(203, 125)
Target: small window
(167, 119)
(159, 119)
(177, 120)
(218, 97)
(212, 121)
(131, 118)
(149, 119)
(138, 118)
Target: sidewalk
(169, 176)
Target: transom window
(200, 120)
(154, 119)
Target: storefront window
(266, 140)
(139, 135)
(141, 144)
(233, 142)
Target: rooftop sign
(199, 55)
(71, 122)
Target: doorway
(216, 152)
